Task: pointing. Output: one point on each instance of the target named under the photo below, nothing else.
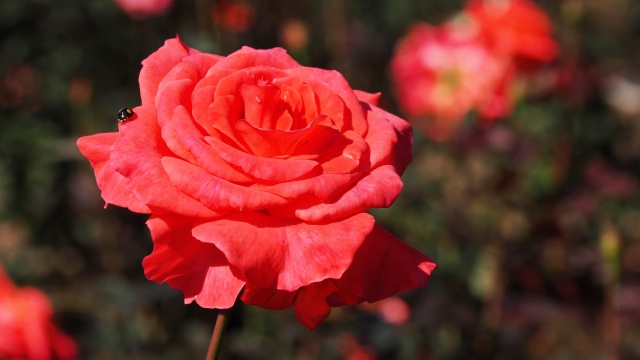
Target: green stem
(218, 331)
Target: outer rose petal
(270, 169)
(115, 188)
(137, 156)
(248, 57)
(379, 189)
(177, 86)
(389, 138)
(158, 64)
(214, 192)
(268, 298)
(285, 254)
(384, 266)
(311, 307)
(200, 270)
(309, 302)
(369, 98)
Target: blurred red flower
(351, 349)
(232, 16)
(256, 171)
(26, 328)
(445, 72)
(516, 28)
(140, 9)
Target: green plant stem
(218, 331)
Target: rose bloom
(518, 28)
(140, 9)
(442, 73)
(256, 172)
(26, 328)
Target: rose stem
(218, 331)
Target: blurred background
(533, 219)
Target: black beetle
(124, 114)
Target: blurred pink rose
(471, 63)
(139, 9)
(26, 328)
(445, 72)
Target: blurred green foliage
(534, 221)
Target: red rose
(256, 171)
(26, 329)
(442, 73)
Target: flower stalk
(218, 331)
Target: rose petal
(198, 269)
(247, 57)
(309, 302)
(214, 192)
(182, 132)
(387, 147)
(268, 298)
(136, 154)
(333, 80)
(299, 98)
(311, 306)
(176, 90)
(369, 98)
(272, 143)
(169, 108)
(321, 187)
(158, 64)
(220, 118)
(285, 254)
(379, 189)
(263, 108)
(370, 276)
(115, 188)
(192, 69)
(348, 153)
(317, 98)
(269, 169)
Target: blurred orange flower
(26, 329)
(294, 35)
